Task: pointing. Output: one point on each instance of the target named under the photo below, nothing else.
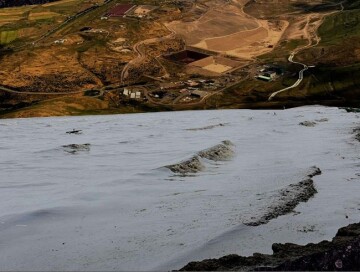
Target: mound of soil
(341, 254)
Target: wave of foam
(285, 200)
(192, 165)
(219, 152)
(208, 127)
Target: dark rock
(307, 124)
(356, 131)
(74, 131)
(351, 109)
(76, 148)
(341, 254)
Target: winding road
(309, 45)
(297, 83)
(141, 55)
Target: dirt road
(141, 54)
(310, 36)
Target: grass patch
(283, 50)
(340, 26)
(42, 15)
(337, 81)
(7, 37)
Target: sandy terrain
(144, 9)
(8, 19)
(216, 22)
(119, 40)
(230, 31)
(42, 15)
(217, 68)
(234, 41)
(51, 70)
(216, 64)
(246, 44)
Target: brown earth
(71, 105)
(52, 70)
(249, 32)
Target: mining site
(179, 135)
(76, 57)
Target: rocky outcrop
(341, 254)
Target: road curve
(297, 83)
(140, 54)
(309, 45)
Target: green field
(336, 81)
(340, 26)
(8, 36)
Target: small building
(270, 74)
(192, 83)
(263, 77)
(199, 93)
(126, 92)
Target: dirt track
(310, 35)
(141, 56)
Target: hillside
(17, 3)
(158, 55)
